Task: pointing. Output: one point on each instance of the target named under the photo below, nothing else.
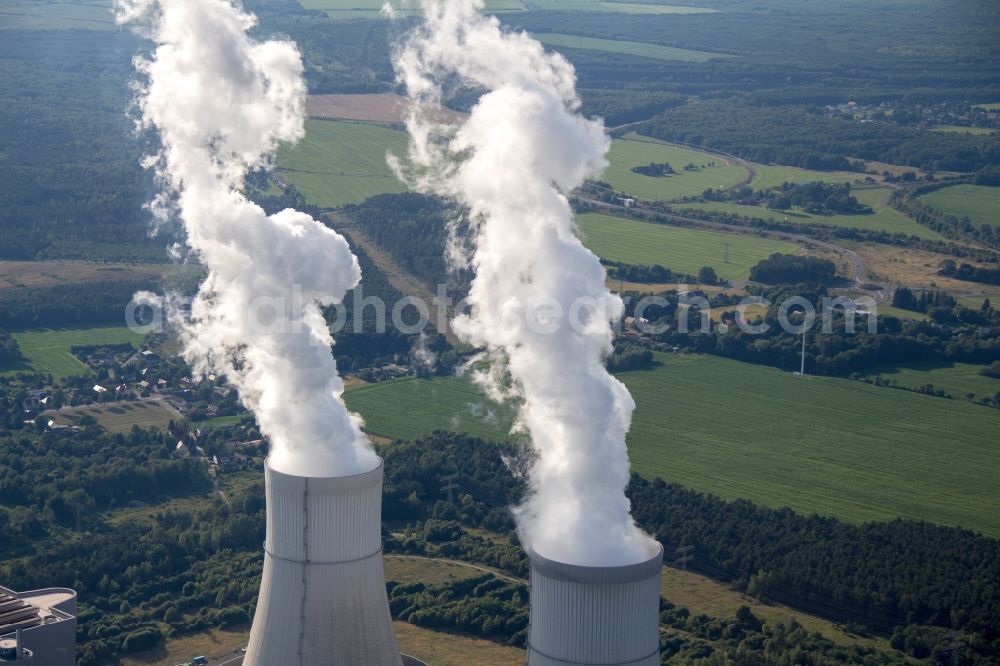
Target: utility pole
(684, 556)
(802, 368)
(77, 509)
(954, 647)
(450, 486)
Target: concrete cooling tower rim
(596, 575)
(345, 481)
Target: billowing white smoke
(221, 102)
(522, 148)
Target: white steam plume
(221, 102)
(522, 148)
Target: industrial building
(322, 595)
(47, 623)
(607, 616)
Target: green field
(979, 203)
(831, 446)
(900, 313)
(421, 406)
(47, 351)
(992, 106)
(964, 130)
(634, 150)
(767, 176)
(341, 162)
(642, 49)
(885, 218)
(49, 15)
(956, 379)
(678, 248)
(611, 6)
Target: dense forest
(83, 304)
(794, 53)
(927, 301)
(953, 333)
(71, 185)
(793, 269)
(805, 137)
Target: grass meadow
(885, 218)
(634, 150)
(977, 202)
(641, 49)
(678, 248)
(48, 350)
(341, 162)
(421, 406)
(831, 446)
(957, 379)
(978, 131)
(818, 445)
(767, 176)
(886, 309)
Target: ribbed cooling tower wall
(606, 616)
(322, 596)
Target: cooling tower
(594, 616)
(322, 596)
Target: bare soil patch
(49, 273)
(914, 268)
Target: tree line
(805, 137)
(10, 353)
(74, 304)
(957, 334)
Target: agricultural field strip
(981, 204)
(678, 248)
(709, 171)
(640, 49)
(612, 6)
(48, 351)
